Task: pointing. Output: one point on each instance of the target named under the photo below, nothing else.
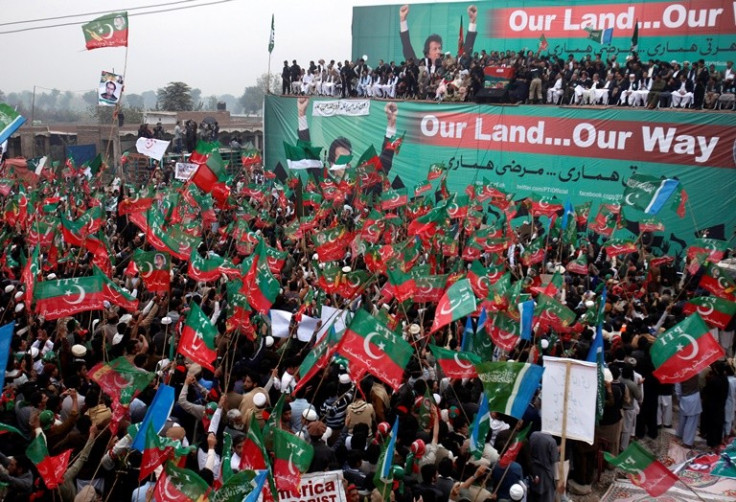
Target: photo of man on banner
(111, 86)
(433, 44)
(342, 146)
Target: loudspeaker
(492, 96)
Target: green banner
(576, 154)
(680, 30)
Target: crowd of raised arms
(538, 78)
(50, 394)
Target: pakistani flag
(303, 155)
(649, 193)
(10, 121)
(643, 469)
(635, 37)
(684, 351)
(457, 302)
(110, 30)
(510, 386)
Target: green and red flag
(553, 285)
(403, 284)
(292, 457)
(250, 157)
(110, 30)
(180, 485)
(455, 364)
(435, 171)
(120, 379)
(371, 347)
(50, 468)
(513, 451)
(618, 246)
(534, 252)
(457, 208)
(716, 281)
(198, 338)
(457, 302)
(332, 243)
(504, 331)
(142, 201)
(155, 452)
(651, 225)
(154, 267)
(713, 249)
(429, 288)
(579, 265)
(66, 297)
(115, 294)
(392, 199)
(684, 351)
(395, 143)
(716, 312)
(205, 268)
(259, 285)
(509, 386)
(551, 313)
(352, 283)
(643, 469)
(30, 272)
(605, 221)
(543, 206)
(315, 360)
(582, 212)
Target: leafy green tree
(252, 98)
(175, 97)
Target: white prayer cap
(117, 338)
(517, 491)
(269, 341)
(79, 350)
(310, 414)
(125, 319)
(346, 269)
(19, 295)
(9, 288)
(51, 276)
(545, 343)
(34, 352)
(259, 399)
(166, 320)
(344, 378)
(19, 307)
(437, 398)
(106, 304)
(414, 329)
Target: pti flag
(643, 469)
(66, 297)
(198, 338)
(154, 148)
(110, 30)
(120, 379)
(50, 468)
(509, 386)
(373, 348)
(716, 312)
(455, 364)
(684, 351)
(293, 456)
(10, 121)
(179, 485)
(457, 302)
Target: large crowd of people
(258, 375)
(538, 78)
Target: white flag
(306, 328)
(150, 147)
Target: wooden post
(561, 482)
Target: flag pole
(561, 482)
(691, 489)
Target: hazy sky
(219, 48)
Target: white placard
(318, 486)
(184, 170)
(581, 398)
(349, 107)
(280, 321)
(306, 328)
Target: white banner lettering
(350, 107)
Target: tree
(252, 98)
(175, 97)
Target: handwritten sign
(352, 107)
(581, 397)
(184, 170)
